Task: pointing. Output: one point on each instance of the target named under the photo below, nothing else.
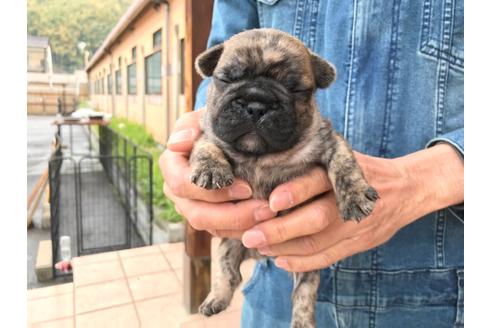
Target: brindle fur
(216, 162)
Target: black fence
(102, 200)
(129, 167)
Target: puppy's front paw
(211, 176)
(357, 202)
(213, 306)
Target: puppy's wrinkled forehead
(268, 53)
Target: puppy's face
(261, 97)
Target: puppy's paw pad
(359, 204)
(212, 306)
(212, 178)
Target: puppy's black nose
(255, 110)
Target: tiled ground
(140, 287)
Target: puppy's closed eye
(302, 90)
(222, 79)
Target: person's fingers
(186, 131)
(300, 189)
(176, 172)
(218, 216)
(306, 220)
(232, 234)
(312, 244)
(321, 260)
(334, 232)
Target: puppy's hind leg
(231, 254)
(304, 299)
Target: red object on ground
(64, 266)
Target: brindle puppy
(262, 125)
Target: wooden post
(196, 268)
(197, 259)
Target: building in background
(139, 70)
(39, 58)
(45, 89)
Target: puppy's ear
(324, 72)
(205, 63)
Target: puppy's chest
(263, 179)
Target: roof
(128, 17)
(38, 41)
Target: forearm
(435, 178)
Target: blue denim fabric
(399, 89)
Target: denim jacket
(399, 89)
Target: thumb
(186, 132)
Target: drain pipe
(167, 69)
(110, 53)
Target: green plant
(137, 134)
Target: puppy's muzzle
(254, 110)
(254, 103)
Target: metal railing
(133, 175)
(103, 201)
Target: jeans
(368, 289)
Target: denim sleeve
(456, 139)
(229, 17)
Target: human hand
(313, 236)
(211, 210)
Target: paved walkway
(104, 222)
(40, 133)
(140, 287)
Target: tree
(68, 22)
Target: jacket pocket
(442, 34)
(460, 314)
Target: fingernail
(180, 136)
(281, 263)
(264, 213)
(253, 238)
(239, 191)
(265, 250)
(281, 201)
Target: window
(153, 74)
(119, 62)
(117, 75)
(101, 81)
(157, 39)
(134, 53)
(131, 79)
(110, 84)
